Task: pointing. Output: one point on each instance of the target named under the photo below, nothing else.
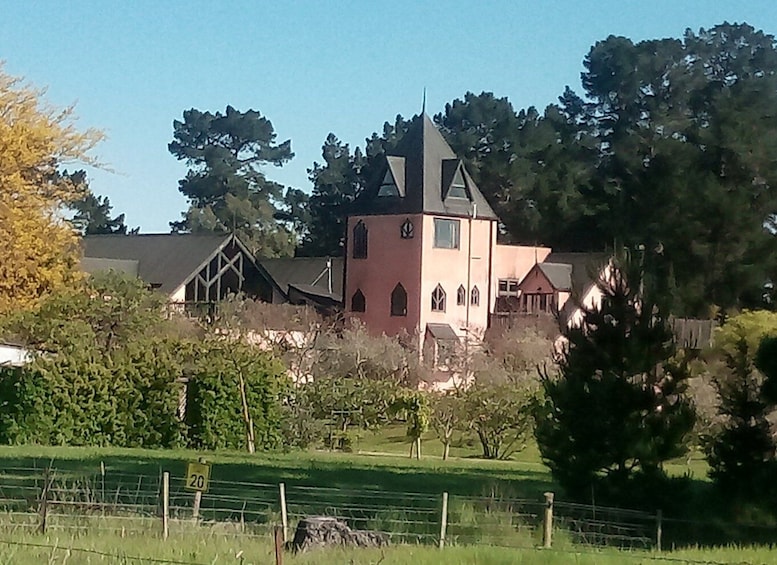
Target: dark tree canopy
(338, 181)
(92, 214)
(226, 186)
(672, 145)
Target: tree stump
(325, 531)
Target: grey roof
(165, 261)
(585, 267)
(559, 275)
(429, 165)
(308, 274)
(93, 265)
(442, 331)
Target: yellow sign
(197, 476)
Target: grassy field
(218, 549)
(379, 465)
(383, 467)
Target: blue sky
(132, 67)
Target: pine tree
(616, 410)
(226, 186)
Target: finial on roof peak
(423, 103)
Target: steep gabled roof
(585, 268)
(165, 261)
(308, 274)
(558, 274)
(430, 165)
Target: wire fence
(34, 499)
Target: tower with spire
(420, 243)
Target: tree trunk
(249, 423)
(418, 447)
(446, 450)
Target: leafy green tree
(226, 186)
(447, 414)
(679, 128)
(92, 214)
(339, 180)
(500, 414)
(414, 407)
(741, 450)
(668, 147)
(106, 372)
(617, 408)
(235, 397)
(533, 169)
(345, 402)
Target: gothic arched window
(358, 302)
(438, 299)
(399, 301)
(360, 241)
(474, 298)
(461, 296)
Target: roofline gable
(250, 256)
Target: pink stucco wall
(420, 267)
(390, 260)
(513, 262)
(449, 268)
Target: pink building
(422, 256)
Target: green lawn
(352, 471)
(205, 549)
(379, 472)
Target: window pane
(458, 189)
(446, 233)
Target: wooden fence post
(547, 522)
(43, 508)
(284, 512)
(659, 528)
(165, 504)
(444, 519)
(278, 546)
(197, 499)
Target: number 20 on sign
(197, 476)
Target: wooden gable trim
(244, 253)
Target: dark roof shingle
(163, 260)
(309, 273)
(426, 154)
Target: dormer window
(407, 230)
(454, 183)
(458, 188)
(388, 187)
